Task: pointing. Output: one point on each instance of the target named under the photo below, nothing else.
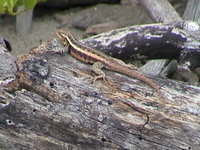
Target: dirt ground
(77, 20)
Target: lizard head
(63, 37)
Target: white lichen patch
(9, 122)
(109, 37)
(147, 44)
(178, 33)
(100, 117)
(120, 51)
(192, 44)
(110, 54)
(191, 25)
(121, 44)
(150, 36)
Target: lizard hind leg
(96, 67)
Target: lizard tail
(135, 74)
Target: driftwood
(52, 104)
(192, 11)
(162, 11)
(150, 42)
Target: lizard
(100, 60)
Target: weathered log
(150, 41)
(192, 11)
(53, 104)
(7, 65)
(160, 11)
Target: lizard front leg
(96, 67)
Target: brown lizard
(101, 60)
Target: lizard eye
(65, 43)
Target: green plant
(8, 6)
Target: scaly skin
(92, 56)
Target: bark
(153, 41)
(7, 65)
(192, 11)
(52, 104)
(161, 11)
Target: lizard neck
(85, 53)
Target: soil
(77, 19)
(45, 22)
